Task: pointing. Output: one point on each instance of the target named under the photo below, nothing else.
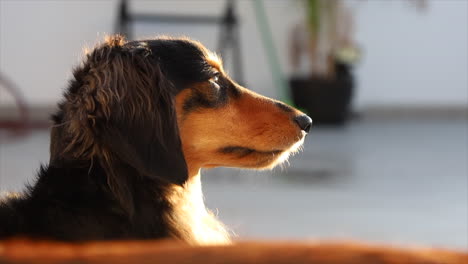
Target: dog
(138, 121)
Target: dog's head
(166, 107)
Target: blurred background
(386, 83)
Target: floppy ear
(150, 145)
(137, 103)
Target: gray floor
(401, 182)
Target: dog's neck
(186, 216)
(199, 225)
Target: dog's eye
(216, 77)
(214, 83)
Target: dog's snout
(304, 122)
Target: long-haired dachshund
(137, 123)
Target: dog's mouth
(242, 152)
(255, 158)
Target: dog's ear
(136, 103)
(150, 144)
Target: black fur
(241, 152)
(121, 193)
(219, 96)
(284, 107)
(70, 202)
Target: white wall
(413, 57)
(40, 41)
(409, 57)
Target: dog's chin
(252, 158)
(280, 157)
(264, 160)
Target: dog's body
(138, 122)
(72, 203)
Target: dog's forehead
(211, 57)
(183, 59)
(182, 48)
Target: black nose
(304, 122)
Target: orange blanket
(136, 252)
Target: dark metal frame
(229, 33)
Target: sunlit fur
(192, 221)
(137, 123)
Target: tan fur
(191, 220)
(251, 121)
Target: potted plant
(322, 53)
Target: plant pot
(325, 100)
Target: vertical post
(270, 49)
(229, 36)
(122, 25)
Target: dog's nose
(304, 122)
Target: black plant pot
(326, 101)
